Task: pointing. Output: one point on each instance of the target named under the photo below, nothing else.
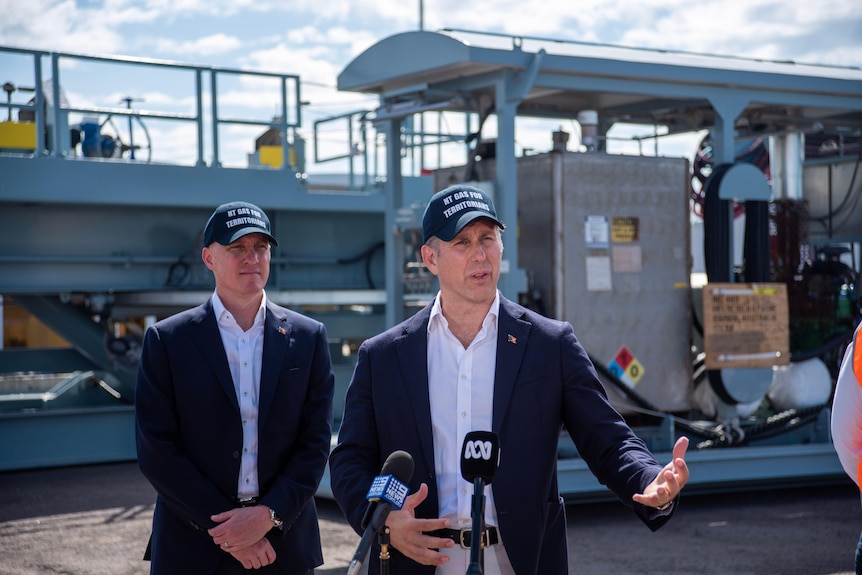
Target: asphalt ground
(95, 519)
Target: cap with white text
(450, 210)
(229, 222)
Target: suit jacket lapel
(412, 347)
(205, 334)
(512, 333)
(277, 335)
(412, 350)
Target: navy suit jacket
(189, 435)
(544, 381)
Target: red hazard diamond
(624, 357)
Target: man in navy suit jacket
(234, 418)
(473, 360)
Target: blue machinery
(97, 244)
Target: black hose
(366, 256)
(717, 436)
(684, 426)
(828, 345)
(774, 425)
(783, 422)
(618, 383)
(756, 243)
(716, 228)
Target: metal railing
(55, 116)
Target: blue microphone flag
(387, 488)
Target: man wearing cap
(233, 417)
(474, 361)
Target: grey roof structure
(552, 78)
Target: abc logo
(478, 450)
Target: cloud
(768, 30)
(212, 45)
(64, 26)
(216, 8)
(44, 24)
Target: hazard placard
(626, 367)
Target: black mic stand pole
(477, 553)
(383, 539)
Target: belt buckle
(246, 501)
(483, 538)
(461, 538)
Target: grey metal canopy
(419, 70)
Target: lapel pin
(512, 339)
(282, 331)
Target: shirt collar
(437, 316)
(220, 310)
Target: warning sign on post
(745, 325)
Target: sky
(317, 40)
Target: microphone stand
(477, 553)
(383, 539)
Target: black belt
(464, 537)
(247, 502)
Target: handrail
(289, 106)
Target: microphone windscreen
(400, 464)
(480, 456)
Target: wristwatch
(276, 520)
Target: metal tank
(605, 243)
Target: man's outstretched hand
(670, 480)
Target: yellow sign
(18, 135)
(625, 229)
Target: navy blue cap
(453, 208)
(229, 222)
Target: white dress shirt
(244, 351)
(461, 394)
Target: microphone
(480, 456)
(388, 491)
